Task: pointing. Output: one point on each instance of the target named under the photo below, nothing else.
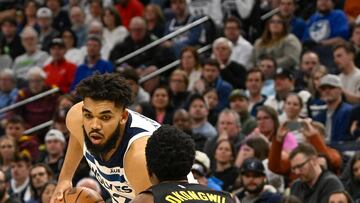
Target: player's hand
(58, 194)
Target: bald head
(77, 16)
(137, 28)
(95, 28)
(181, 120)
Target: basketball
(82, 195)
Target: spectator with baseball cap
(44, 18)
(253, 178)
(285, 84)
(201, 171)
(336, 117)
(59, 71)
(55, 144)
(239, 102)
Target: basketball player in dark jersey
(111, 137)
(170, 155)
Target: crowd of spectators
(273, 106)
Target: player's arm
(74, 151)
(143, 198)
(135, 166)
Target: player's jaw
(98, 143)
(96, 137)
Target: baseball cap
(57, 41)
(203, 159)
(237, 93)
(54, 134)
(253, 165)
(198, 168)
(330, 80)
(44, 12)
(284, 73)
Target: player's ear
(124, 117)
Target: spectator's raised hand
(308, 129)
(281, 132)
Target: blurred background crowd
(268, 89)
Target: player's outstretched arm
(135, 166)
(74, 151)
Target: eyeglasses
(6, 146)
(276, 21)
(37, 174)
(299, 166)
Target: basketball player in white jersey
(111, 137)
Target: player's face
(102, 121)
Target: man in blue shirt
(336, 117)
(93, 62)
(327, 26)
(8, 90)
(287, 10)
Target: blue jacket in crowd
(340, 122)
(84, 71)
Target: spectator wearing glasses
(278, 43)
(314, 184)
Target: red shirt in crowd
(131, 9)
(60, 74)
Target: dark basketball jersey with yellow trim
(182, 192)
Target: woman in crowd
(268, 125)
(212, 100)
(277, 42)
(353, 184)
(72, 53)
(291, 116)
(160, 108)
(47, 192)
(225, 169)
(178, 88)
(315, 104)
(8, 149)
(154, 19)
(189, 62)
(114, 32)
(258, 147)
(30, 8)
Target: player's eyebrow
(102, 113)
(85, 110)
(106, 112)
